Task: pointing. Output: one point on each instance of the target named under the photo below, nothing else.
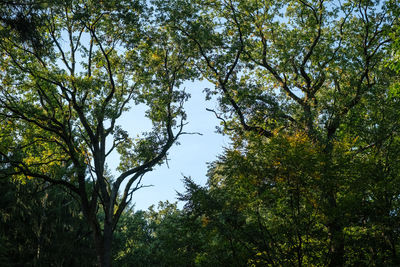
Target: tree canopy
(307, 91)
(65, 84)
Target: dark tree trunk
(335, 228)
(336, 248)
(103, 243)
(107, 243)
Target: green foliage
(303, 89)
(264, 205)
(41, 226)
(307, 92)
(162, 237)
(66, 81)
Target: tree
(63, 89)
(40, 225)
(289, 67)
(162, 237)
(264, 197)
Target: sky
(190, 158)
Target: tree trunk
(103, 243)
(336, 248)
(334, 225)
(107, 241)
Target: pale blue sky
(189, 158)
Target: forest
(307, 91)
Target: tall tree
(289, 67)
(63, 89)
(40, 225)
